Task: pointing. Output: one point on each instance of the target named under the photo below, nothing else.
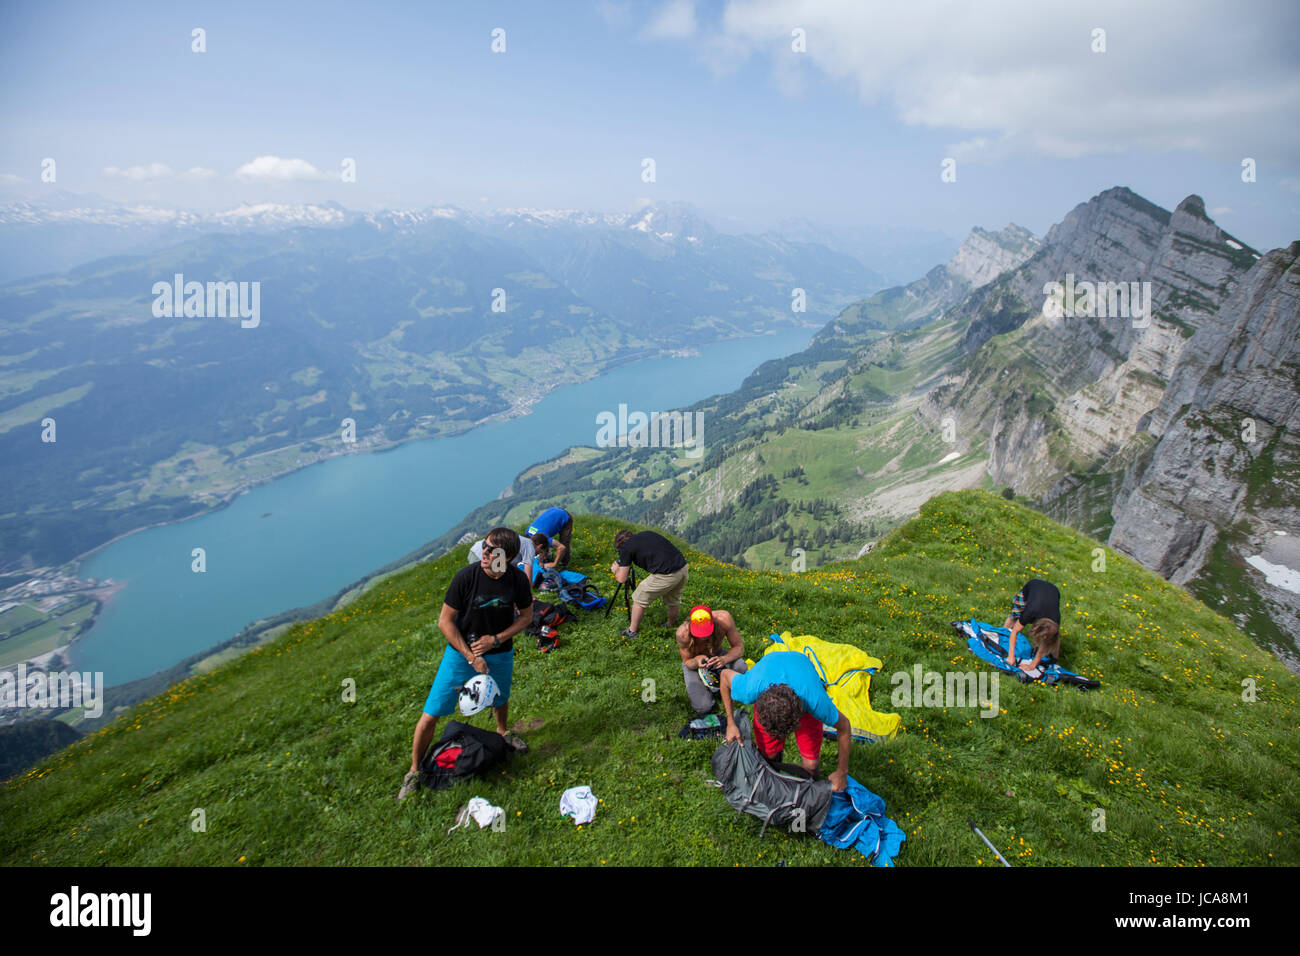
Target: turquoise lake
(333, 522)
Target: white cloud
(617, 16)
(155, 172)
(1291, 184)
(1020, 77)
(9, 179)
(1218, 211)
(674, 21)
(151, 172)
(273, 168)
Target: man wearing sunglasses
(486, 605)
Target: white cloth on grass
(484, 813)
(579, 803)
(478, 810)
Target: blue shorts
(454, 672)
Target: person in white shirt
(524, 562)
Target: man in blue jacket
(788, 697)
(555, 526)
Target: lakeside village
(32, 616)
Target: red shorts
(808, 735)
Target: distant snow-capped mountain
(591, 250)
(282, 214)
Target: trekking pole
(986, 841)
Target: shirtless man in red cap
(705, 653)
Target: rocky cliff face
(1169, 431)
(1218, 501)
(982, 257)
(986, 255)
(1083, 354)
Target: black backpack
(480, 751)
(547, 615)
(753, 786)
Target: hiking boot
(514, 740)
(410, 784)
(629, 633)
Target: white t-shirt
(524, 561)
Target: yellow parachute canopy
(844, 671)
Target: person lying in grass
(486, 605)
(1037, 609)
(700, 641)
(788, 697)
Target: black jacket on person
(651, 552)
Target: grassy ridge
(1185, 770)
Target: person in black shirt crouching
(1036, 609)
(666, 569)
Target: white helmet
(481, 691)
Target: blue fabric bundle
(856, 818)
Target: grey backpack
(753, 786)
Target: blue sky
(851, 131)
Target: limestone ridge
(1063, 394)
(986, 255)
(1223, 483)
(983, 255)
(1133, 431)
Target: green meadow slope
(1186, 770)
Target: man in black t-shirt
(486, 605)
(1037, 608)
(666, 569)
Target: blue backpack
(574, 589)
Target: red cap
(701, 621)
